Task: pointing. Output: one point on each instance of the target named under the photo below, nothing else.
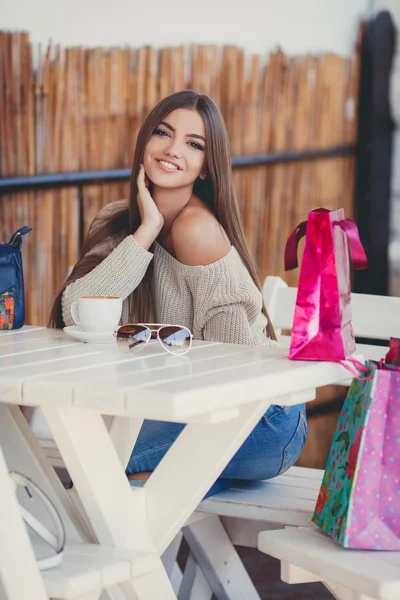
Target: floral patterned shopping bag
(359, 500)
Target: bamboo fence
(80, 109)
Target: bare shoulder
(198, 238)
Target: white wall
(298, 26)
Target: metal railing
(80, 178)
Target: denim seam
(294, 438)
(157, 449)
(266, 419)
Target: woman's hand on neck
(152, 220)
(170, 202)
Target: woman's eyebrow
(194, 135)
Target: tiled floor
(264, 572)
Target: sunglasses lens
(176, 339)
(132, 337)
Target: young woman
(175, 252)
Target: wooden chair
(373, 317)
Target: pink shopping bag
(322, 328)
(359, 500)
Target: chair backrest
(374, 317)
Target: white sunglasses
(175, 339)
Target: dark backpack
(12, 304)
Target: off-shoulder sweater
(217, 302)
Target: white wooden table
(219, 390)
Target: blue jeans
(272, 447)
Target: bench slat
(371, 573)
(288, 499)
(89, 568)
(259, 492)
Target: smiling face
(175, 155)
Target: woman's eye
(161, 132)
(196, 145)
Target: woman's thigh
(271, 448)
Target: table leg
(190, 467)
(219, 561)
(23, 453)
(124, 432)
(169, 560)
(151, 586)
(15, 548)
(194, 585)
(193, 463)
(173, 491)
(187, 485)
(108, 499)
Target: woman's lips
(167, 166)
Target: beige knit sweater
(217, 302)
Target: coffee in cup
(97, 313)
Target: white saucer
(93, 337)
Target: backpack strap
(16, 238)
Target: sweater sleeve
(117, 275)
(227, 303)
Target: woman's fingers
(140, 179)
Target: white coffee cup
(97, 313)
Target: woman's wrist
(145, 235)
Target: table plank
(11, 338)
(24, 329)
(63, 372)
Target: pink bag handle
(294, 238)
(355, 368)
(357, 252)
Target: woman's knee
(273, 446)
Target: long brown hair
(216, 191)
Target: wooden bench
(290, 498)
(308, 555)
